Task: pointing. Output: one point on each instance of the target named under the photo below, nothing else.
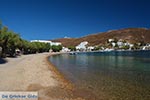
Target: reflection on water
(111, 75)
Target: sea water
(116, 75)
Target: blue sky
(50, 19)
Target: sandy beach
(34, 73)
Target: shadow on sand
(2, 61)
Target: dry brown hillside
(132, 35)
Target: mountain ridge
(132, 35)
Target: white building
(147, 47)
(45, 41)
(55, 43)
(113, 44)
(148, 44)
(127, 44)
(65, 49)
(111, 40)
(120, 44)
(131, 45)
(82, 45)
(90, 48)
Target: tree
(116, 46)
(14, 42)
(56, 48)
(25, 46)
(96, 48)
(8, 41)
(115, 40)
(4, 37)
(136, 46)
(72, 48)
(126, 47)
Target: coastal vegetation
(10, 42)
(72, 48)
(56, 48)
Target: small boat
(72, 53)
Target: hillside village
(120, 40)
(110, 45)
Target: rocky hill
(132, 35)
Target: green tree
(72, 48)
(126, 47)
(56, 48)
(25, 46)
(136, 46)
(96, 48)
(14, 42)
(4, 37)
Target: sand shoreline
(35, 73)
(66, 84)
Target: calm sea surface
(121, 75)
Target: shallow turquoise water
(123, 75)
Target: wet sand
(35, 73)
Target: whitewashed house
(130, 46)
(148, 44)
(127, 44)
(113, 44)
(64, 49)
(111, 40)
(82, 46)
(120, 44)
(90, 48)
(147, 47)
